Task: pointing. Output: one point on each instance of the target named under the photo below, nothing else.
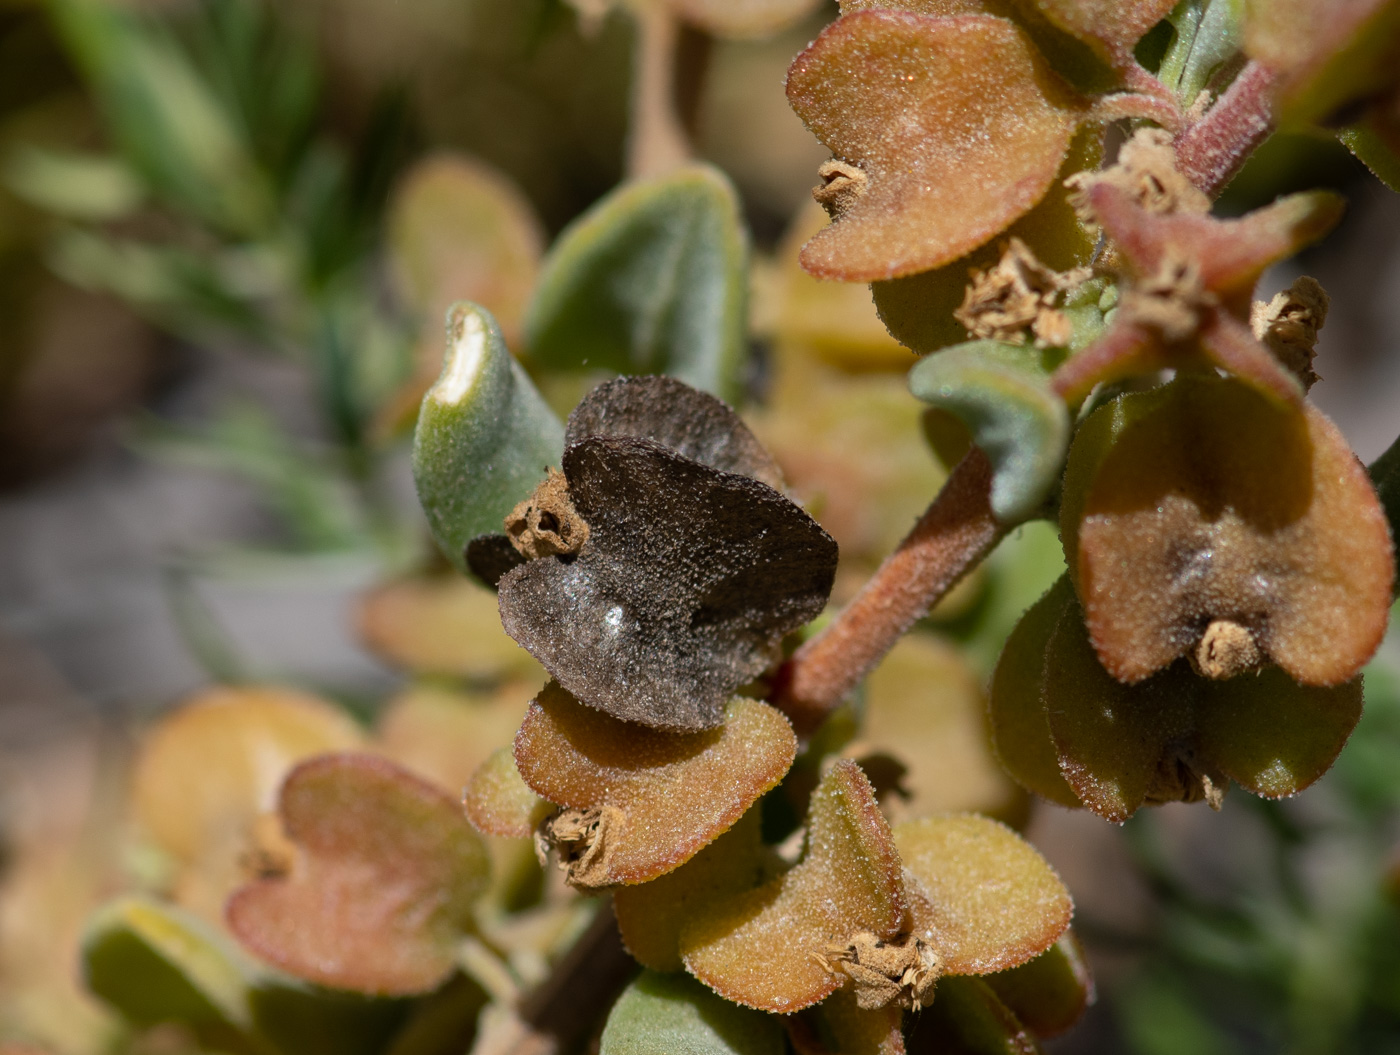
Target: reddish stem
(1212, 150)
(952, 536)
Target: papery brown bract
(663, 795)
(762, 949)
(1210, 503)
(957, 125)
(979, 894)
(380, 888)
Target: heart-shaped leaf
(652, 279)
(381, 887)
(660, 797)
(675, 1014)
(982, 896)
(766, 948)
(1001, 392)
(948, 128)
(484, 436)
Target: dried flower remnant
(637, 802)
(957, 125)
(766, 948)
(1189, 282)
(1289, 323)
(694, 567)
(1199, 510)
(546, 524)
(1019, 295)
(901, 972)
(381, 888)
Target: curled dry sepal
(683, 566)
(948, 121)
(380, 884)
(1230, 574)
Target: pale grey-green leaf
(673, 1014)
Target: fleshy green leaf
(1050, 993)
(155, 963)
(1000, 392)
(968, 1018)
(1374, 150)
(651, 280)
(1207, 35)
(484, 437)
(675, 1014)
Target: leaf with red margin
(668, 795)
(761, 949)
(382, 885)
(957, 123)
(980, 894)
(1265, 507)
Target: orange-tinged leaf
(761, 949)
(1050, 993)
(667, 795)
(1112, 27)
(939, 8)
(650, 915)
(981, 895)
(957, 124)
(381, 887)
(1271, 735)
(1214, 504)
(924, 709)
(444, 734)
(1020, 728)
(498, 802)
(441, 625)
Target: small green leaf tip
(1385, 476)
(651, 280)
(484, 436)
(1002, 394)
(675, 1014)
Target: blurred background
(228, 234)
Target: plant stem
(952, 536)
(1212, 150)
(657, 141)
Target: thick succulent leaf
(676, 1014)
(760, 949)
(688, 581)
(459, 230)
(918, 310)
(968, 1018)
(154, 963)
(441, 625)
(443, 734)
(209, 771)
(1050, 993)
(956, 123)
(1001, 392)
(1112, 27)
(742, 18)
(652, 279)
(169, 122)
(980, 894)
(663, 795)
(1329, 53)
(498, 802)
(484, 436)
(1206, 35)
(1020, 728)
(650, 915)
(1112, 738)
(692, 423)
(382, 884)
(925, 712)
(1215, 504)
(302, 1019)
(1385, 477)
(840, 1024)
(1271, 735)
(1377, 144)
